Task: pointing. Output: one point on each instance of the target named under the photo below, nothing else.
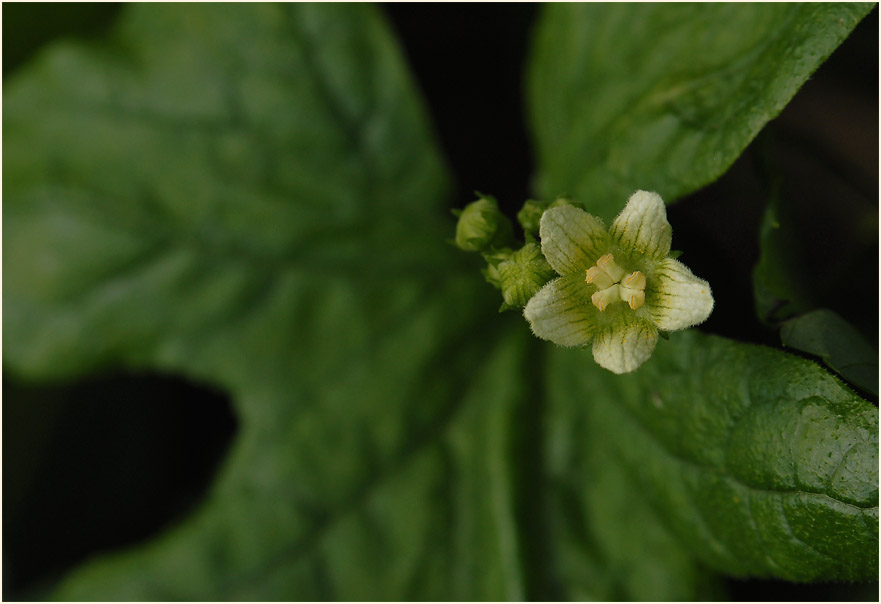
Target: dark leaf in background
(30, 25)
(810, 245)
(844, 349)
(782, 285)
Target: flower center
(613, 284)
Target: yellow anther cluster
(614, 284)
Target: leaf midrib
(407, 455)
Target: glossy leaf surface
(665, 97)
(761, 463)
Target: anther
(635, 280)
(597, 277)
(607, 265)
(634, 298)
(633, 289)
(602, 298)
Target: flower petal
(561, 312)
(642, 225)
(679, 299)
(623, 350)
(572, 239)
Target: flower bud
(493, 260)
(523, 274)
(565, 201)
(482, 226)
(529, 216)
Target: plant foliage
(249, 195)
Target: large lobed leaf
(665, 97)
(761, 463)
(248, 195)
(220, 157)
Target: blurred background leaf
(804, 251)
(665, 96)
(783, 284)
(806, 247)
(844, 349)
(37, 23)
(220, 220)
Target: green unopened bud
(483, 227)
(493, 260)
(565, 200)
(523, 274)
(529, 216)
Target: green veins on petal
(623, 350)
(642, 226)
(681, 300)
(571, 239)
(616, 289)
(557, 312)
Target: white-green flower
(617, 288)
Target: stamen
(634, 298)
(602, 298)
(608, 266)
(606, 276)
(597, 277)
(635, 280)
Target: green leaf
(803, 245)
(665, 97)
(841, 346)
(223, 168)
(248, 195)
(295, 518)
(785, 290)
(781, 283)
(761, 463)
(611, 544)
